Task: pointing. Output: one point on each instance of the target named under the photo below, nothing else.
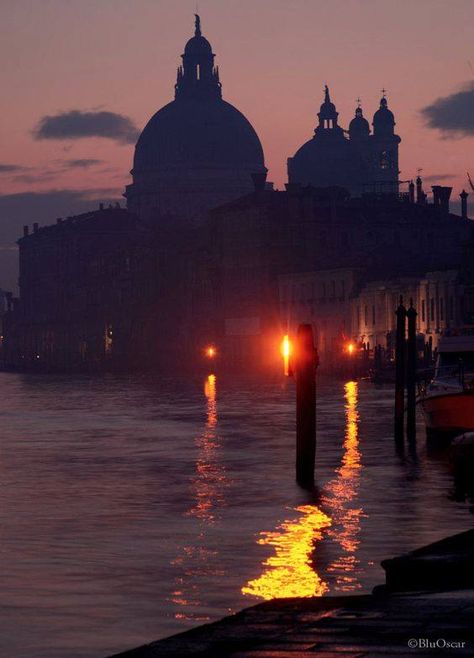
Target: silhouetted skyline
(79, 70)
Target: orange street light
(350, 348)
(211, 352)
(286, 350)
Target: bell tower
(385, 143)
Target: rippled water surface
(133, 508)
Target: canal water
(136, 508)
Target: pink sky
(274, 55)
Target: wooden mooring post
(411, 373)
(306, 363)
(401, 314)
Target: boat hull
(452, 412)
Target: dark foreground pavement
(435, 624)
(432, 615)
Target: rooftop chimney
(411, 192)
(35, 227)
(420, 195)
(441, 196)
(26, 230)
(464, 196)
(436, 195)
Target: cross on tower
(384, 91)
(358, 101)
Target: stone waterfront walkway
(426, 624)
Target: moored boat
(448, 399)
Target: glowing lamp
(211, 352)
(286, 349)
(350, 349)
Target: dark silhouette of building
(360, 162)
(196, 152)
(84, 285)
(206, 252)
(325, 246)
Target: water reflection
(209, 481)
(339, 495)
(292, 569)
(197, 561)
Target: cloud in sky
(11, 168)
(78, 124)
(81, 163)
(453, 115)
(433, 178)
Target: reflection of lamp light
(290, 570)
(286, 349)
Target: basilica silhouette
(207, 251)
(198, 151)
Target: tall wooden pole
(411, 373)
(306, 362)
(401, 314)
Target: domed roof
(383, 116)
(325, 162)
(197, 45)
(198, 132)
(359, 126)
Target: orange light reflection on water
(339, 495)
(290, 571)
(210, 476)
(199, 562)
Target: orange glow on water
(291, 569)
(208, 488)
(210, 474)
(289, 572)
(339, 496)
(286, 350)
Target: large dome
(198, 132)
(198, 151)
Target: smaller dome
(359, 126)
(198, 45)
(383, 116)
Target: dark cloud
(40, 176)
(81, 163)
(453, 114)
(77, 124)
(43, 207)
(11, 168)
(433, 178)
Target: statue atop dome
(197, 25)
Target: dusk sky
(73, 70)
